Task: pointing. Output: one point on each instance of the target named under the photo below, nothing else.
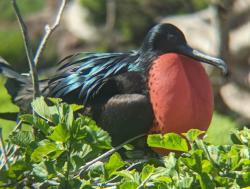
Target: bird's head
(166, 38)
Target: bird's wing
(88, 72)
(124, 116)
(7, 71)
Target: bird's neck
(180, 94)
(145, 59)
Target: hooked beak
(197, 55)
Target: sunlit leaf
(164, 179)
(170, 141)
(185, 182)
(60, 134)
(42, 151)
(55, 101)
(42, 125)
(76, 107)
(126, 174)
(40, 170)
(128, 185)
(147, 171)
(43, 110)
(21, 138)
(207, 166)
(115, 162)
(193, 134)
(194, 162)
(27, 118)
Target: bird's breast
(180, 94)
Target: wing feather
(88, 72)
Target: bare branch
(110, 15)
(48, 31)
(108, 153)
(18, 125)
(28, 50)
(145, 181)
(105, 184)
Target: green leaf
(170, 160)
(40, 170)
(193, 134)
(170, 141)
(42, 125)
(43, 110)
(146, 171)
(234, 156)
(60, 134)
(115, 162)
(66, 114)
(28, 118)
(21, 138)
(125, 174)
(87, 130)
(43, 151)
(185, 182)
(205, 181)
(76, 107)
(128, 185)
(207, 166)
(235, 138)
(243, 163)
(223, 181)
(128, 147)
(164, 179)
(194, 162)
(96, 170)
(243, 179)
(55, 101)
(17, 169)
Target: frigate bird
(160, 87)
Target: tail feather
(16, 85)
(7, 71)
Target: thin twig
(5, 158)
(18, 125)
(207, 154)
(110, 15)
(28, 50)
(127, 169)
(105, 155)
(48, 31)
(144, 182)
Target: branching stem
(105, 155)
(28, 50)
(48, 31)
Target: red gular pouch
(181, 95)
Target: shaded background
(217, 27)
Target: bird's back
(86, 74)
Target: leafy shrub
(60, 150)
